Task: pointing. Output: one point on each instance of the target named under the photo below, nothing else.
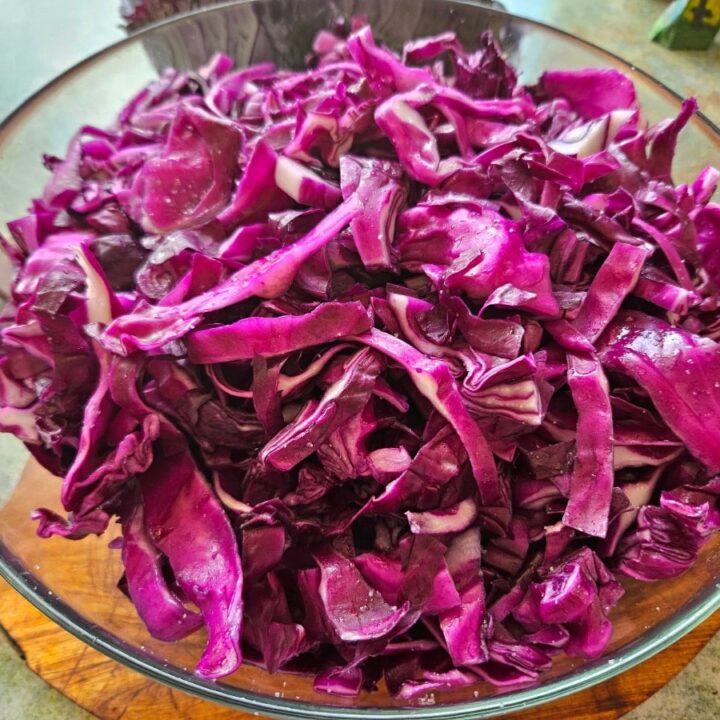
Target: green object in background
(688, 25)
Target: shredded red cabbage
(387, 372)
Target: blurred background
(42, 38)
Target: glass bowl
(74, 583)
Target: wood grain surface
(111, 691)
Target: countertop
(41, 38)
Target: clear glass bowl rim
(609, 666)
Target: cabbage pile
(387, 368)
